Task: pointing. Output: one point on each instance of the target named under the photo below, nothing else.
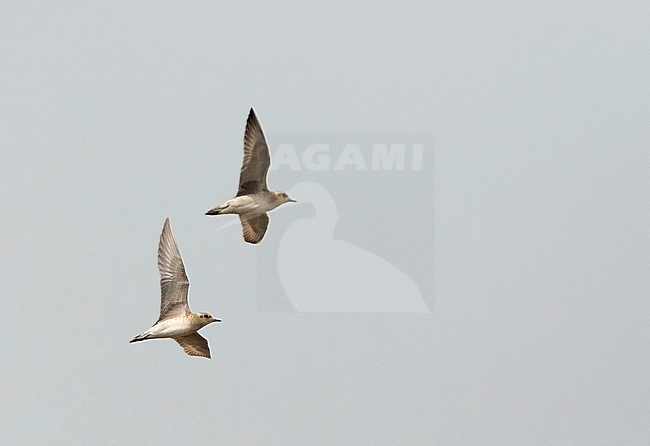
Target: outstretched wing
(194, 345)
(173, 280)
(257, 160)
(254, 227)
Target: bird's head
(284, 197)
(207, 318)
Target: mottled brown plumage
(253, 199)
(176, 321)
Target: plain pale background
(114, 116)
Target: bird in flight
(253, 199)
(176, 321)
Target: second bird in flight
(253, 199)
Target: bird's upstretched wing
(194, 345)
(173, 280)
(257, 160)
(254, 227)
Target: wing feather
(194, 345)
(174, 284)
(254, 227)
(255, 166)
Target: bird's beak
(291, 200)
(217, 320)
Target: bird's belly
(243, 205)
(247, 204)
(173, 327)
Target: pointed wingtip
(252, 127)
(167, 228)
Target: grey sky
(114, 116)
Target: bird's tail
(217, 211)
(140, 337)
